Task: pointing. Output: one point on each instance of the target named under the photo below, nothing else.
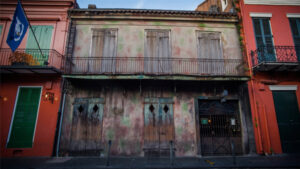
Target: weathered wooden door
(288, 118)
(159, 126)
(86, 127)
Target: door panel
(24, 121)
(86, 127)
(288, 118)
(159, 126)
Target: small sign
(232, 121)
(204, 121)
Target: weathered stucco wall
(131, 37)
(123, 114)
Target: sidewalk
(275, 161)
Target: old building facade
(151, 80)
(30, 88)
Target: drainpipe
(58, 133)
(255, 108)
(256, 118)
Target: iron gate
(220, 127)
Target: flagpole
(31, 29)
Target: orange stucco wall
(47, 114)
(265, 125)
(52, 13)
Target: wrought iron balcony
(31, 61)
(276, 58)
(154, 66)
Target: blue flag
(18, 28)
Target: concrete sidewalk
(275, 161)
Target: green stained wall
(123, 115)
(131, 37)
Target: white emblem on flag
(19, 28)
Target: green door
(24, 119)
(288, 118)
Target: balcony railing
(31, 58)
(154, 66)
(280, 55)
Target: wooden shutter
(104, 45)
(151, 52)
(164, 52)
(109, 51)
(210, 54)
(157, 52)
(1, 26)
(44, 35)
(24, 120)
(264, 39)
(295, 26)
(94, 61)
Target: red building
(30, 90)
(271, 32)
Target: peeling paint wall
(123, 115)
(131, 37)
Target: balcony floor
(161, 77)
(277, 66)
(29, 70)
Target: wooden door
(86, 127)
(288, 118)
(159, 126)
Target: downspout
(251, 84)
(60, 120)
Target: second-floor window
(295, 26)
(104, 42)
(210, 53)
(264, 39)
(157, 51)
(43, 34)
(104, 45)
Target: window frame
(198, 44)
(104, 30)
(158, 31)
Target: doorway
(288, 119)
(219, 127)
(158, 126)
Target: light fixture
(49, 96)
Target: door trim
(283, 87)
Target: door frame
(197, 122)
(282, 88)
(14, 111)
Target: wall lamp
(49, 96)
